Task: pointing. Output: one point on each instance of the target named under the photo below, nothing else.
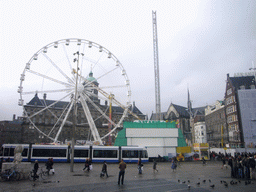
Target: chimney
(106, 102)
(44, 96)
(13, 117)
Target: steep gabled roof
(153, 116)
(183, 111)
(199, 110)
(247, 81)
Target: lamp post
(75, 111)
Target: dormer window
(242, 87)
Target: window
(9, 152)
(229, 91)
(130, 154)
(81, 153)
(49, 152)
(105, 153)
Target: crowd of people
(242, 165)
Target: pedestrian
(104, 170)
(48, 165)
(36, 166)
(174, 164)
(154, 166)
(140, 165)
(122, 167)
(87, 165)
(1, 163)
(203, 159)
(51, 164)
(223, 158)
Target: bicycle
(42, 174)
(10, 174)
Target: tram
(62, 153)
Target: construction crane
(156, 67)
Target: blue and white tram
(132, 154)
(62, 153)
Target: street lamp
(75, 111)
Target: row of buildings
(229, 122)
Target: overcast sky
(199, 42)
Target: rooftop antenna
(156, 67)
(254, 70)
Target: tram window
(144, 154)
(9, 152)
(25, 153)
(81, 153)
(105, 153)
(49, 152)
(130, 154)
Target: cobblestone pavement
(163, 180)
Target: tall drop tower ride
(156, 67)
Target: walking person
(104, 170)
(48, 166)
(122, 167)
(140, 166)
(154, 166)
(51, 166)
(36, 166)
(174, 164)
(204, 161)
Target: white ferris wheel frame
(70, 89)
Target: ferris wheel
(72, 73)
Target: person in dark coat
(154, 165)
(104, 170)
(36, 166)
(48, 166)
(87, 165)
(174, 163)
(230, 163)
(122, 167)
(51, 163)
(140, 166)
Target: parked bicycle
(10, 174)
(42, 174)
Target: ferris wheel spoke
(88, 115)
(64, 121)
(96, 96)
(97, 62)
(47, 91)
(66, 54)
(98, 109)
(117, 125)
(81, 67)
(49, 78)
(34, 126)
(47, 107)
(68, 79)
(59, 119)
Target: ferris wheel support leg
(64, 121)
(91, 123)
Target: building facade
(200, 132)
(46, 116)
(233, 108)
(11, 131)
(216, 128)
